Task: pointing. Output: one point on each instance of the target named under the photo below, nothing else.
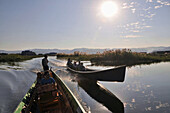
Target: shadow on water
(93, 90)
(101, 94)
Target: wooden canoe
(40, 102)
(115, 74)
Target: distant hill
(90, 51)
(150, 49)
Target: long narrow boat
(114, 74)
(46, 100)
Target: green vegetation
(16, 57)
(118, 57)
(129, 58)
(76, 56)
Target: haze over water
(145, 89)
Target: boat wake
(16, 79)
(13, 86)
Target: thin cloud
(150, 16)
(147, 26)
(147, 8)
(133, 10)
(136, 23)
(149, 1)
(135, 31)
(156, 7)
(144, 11)
(163, 2)
(128, 5)
(132, 36)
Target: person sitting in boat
(39, 77)
(75, 65)
(45, 63)
(81, 67)
(47, 79)
(69, 63)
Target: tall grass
(79, 56)
(118, 57)
(127, 57)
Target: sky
(68, 24)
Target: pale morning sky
(61, 24)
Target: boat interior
(52, 100)
(48, 98)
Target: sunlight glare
(109, 8)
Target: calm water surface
(145, 89)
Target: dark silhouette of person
(81, 67)
(69, 63)
(75, 65)
(45, 63)
(39, 77)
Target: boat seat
(48, 97)
(49, 104)
(53, 109)
(46, 88)
(47, 93)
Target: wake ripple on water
(16, 79)
(13, 86)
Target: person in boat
(81, 67)
(47, 79)
(39, 77)
(45, 63)
(75, 65)
(69, 63)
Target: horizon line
(86, 48)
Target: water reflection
(146, 88)
(101, 94)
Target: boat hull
(115, 74)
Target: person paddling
(45, 63)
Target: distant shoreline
(16, 58)
(89, 50)
(107, 58)
(118, 57)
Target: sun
(109, 8)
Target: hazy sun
(109, 8)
